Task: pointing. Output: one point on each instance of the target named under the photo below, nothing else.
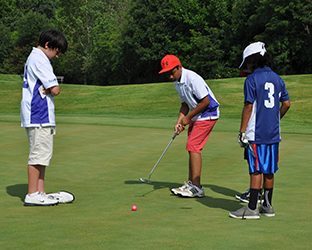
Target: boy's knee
(269, 176)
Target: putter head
(145, 180)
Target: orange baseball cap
(168, 63)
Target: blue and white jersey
(191, 89)
(265, 90)
(37, 109)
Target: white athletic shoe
(62, 196)
(175, 191)
(192, 191)
(40, 200)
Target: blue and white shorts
(263, 158)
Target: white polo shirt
(37, 108)
(191, 89)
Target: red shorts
(198, 133)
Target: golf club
(149, 177)
(252, 150)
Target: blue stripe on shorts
(263, 158)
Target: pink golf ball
(134, 208)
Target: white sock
(33, 194)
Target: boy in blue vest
(264, 91)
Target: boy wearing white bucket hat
(264, 91)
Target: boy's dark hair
(55, 39)
(257, 60)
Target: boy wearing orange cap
(200, 110)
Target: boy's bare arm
(54, 91)
(183, 112)
(284, 108)
(247, 110)
(199, 108)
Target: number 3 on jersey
(270, 87)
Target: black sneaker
(245, 197)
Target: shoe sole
(39, 205)
(173, 192)
(267, 215)
(186, 196)
(248, 217)
(242, 200)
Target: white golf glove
(243, 142)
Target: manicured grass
(100, 153)
(154, 105)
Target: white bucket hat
(253, 49)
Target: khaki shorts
(40, 145)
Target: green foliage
(92, 29)
(122, 41)
(148, 32)
(288, 35)
(5, 45)
(27, 32)
(107, 45)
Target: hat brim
(166, 70)
(242, 64)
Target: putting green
(102, 165)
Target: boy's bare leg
(190, 169)
(195, 165)
(41, 179)
(269, 181)
(262, 180)
(33, 177)
(256, 180)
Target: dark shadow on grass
(222, 190)
(18, 190)
(225, 204)
(157, 185)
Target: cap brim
(166, 70)
(242, 64)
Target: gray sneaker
(266, 211)
(245, 213)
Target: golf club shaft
(175, 134)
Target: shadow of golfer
(222, 190)
(156, 184)
(225, 204)
(18, 190)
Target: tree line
(122, 41)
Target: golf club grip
(175, 134)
